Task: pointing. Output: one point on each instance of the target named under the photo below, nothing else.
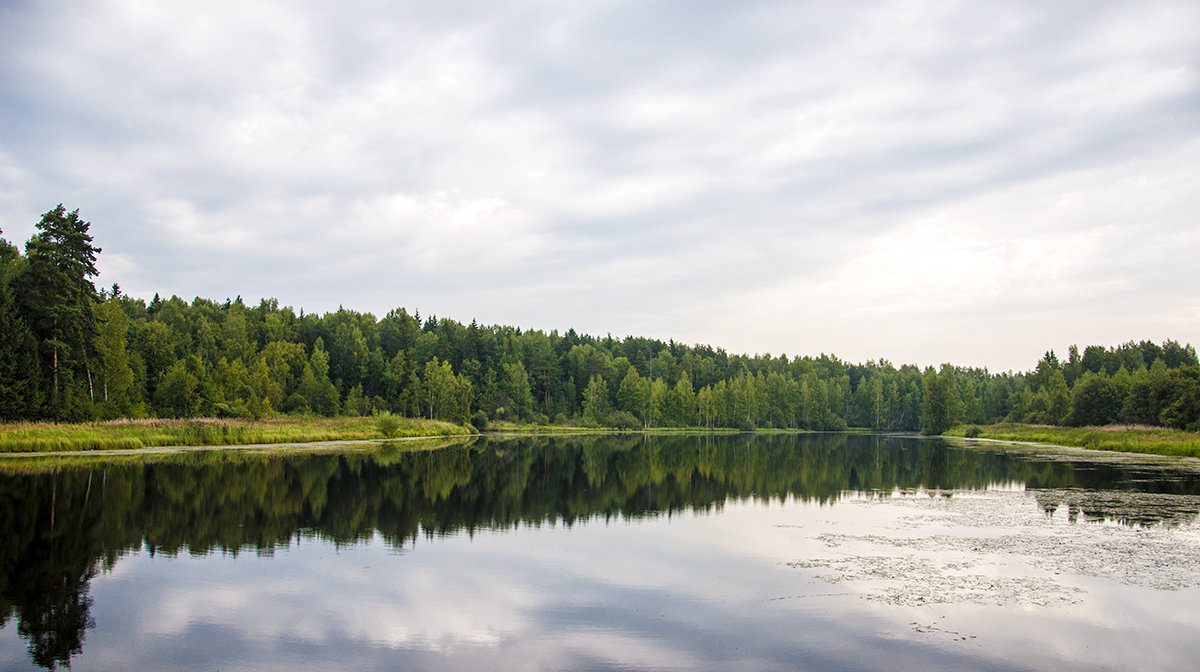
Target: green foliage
(1096, 400)
(633, 396)
(41, 437)
(1155, 440)
(514, 384)
(20, 370)
(57, 295)
(114, 375)
(387, 423)
(1182, 392)
(74, 354)
(937, 402)
(596, 406)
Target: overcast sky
(973, 182)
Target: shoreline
(285, 447)
(166, 437)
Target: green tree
(596, 406)
(937, 407)
(679, 406)
(514, 387)
(114, 376)
(658, 397)
(1181, 401)
(707, 406)
(315, 386)
(446, 396)
(1058, 405)
(155, 345)
(20, 390)
(58, 296)
(633, 396)
(1096, 400)
(355, 403)
(177, 395)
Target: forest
(71, 353)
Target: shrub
(624, 420)
(972, 431)
(387, 423)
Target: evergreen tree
(936, 404)
(57, 295)
(20, 392)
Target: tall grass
(1121, 438)
(386, 452)
(125, 434)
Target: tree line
(70, 352)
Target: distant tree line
(69, 352)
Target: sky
(921, 182)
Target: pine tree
(58, 297)
(19, 385)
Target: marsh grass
(384, 452)
(1121, 438)
(28, 437)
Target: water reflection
(62, 524)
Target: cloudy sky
(923, 181)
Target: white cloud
(759, 177)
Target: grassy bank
(125, 434)
(382, 453)
(1122, 438)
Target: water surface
(819, 552)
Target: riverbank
(1119, 438)
(30, 437)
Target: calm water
(821, 552)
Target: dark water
(821, 552)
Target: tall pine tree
(58, 297)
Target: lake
(613, 552)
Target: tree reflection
(60, 525)
(50, 555)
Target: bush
(387, 423)
(479, 420)
(972, 431)
(624, 420)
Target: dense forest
(70, 352)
